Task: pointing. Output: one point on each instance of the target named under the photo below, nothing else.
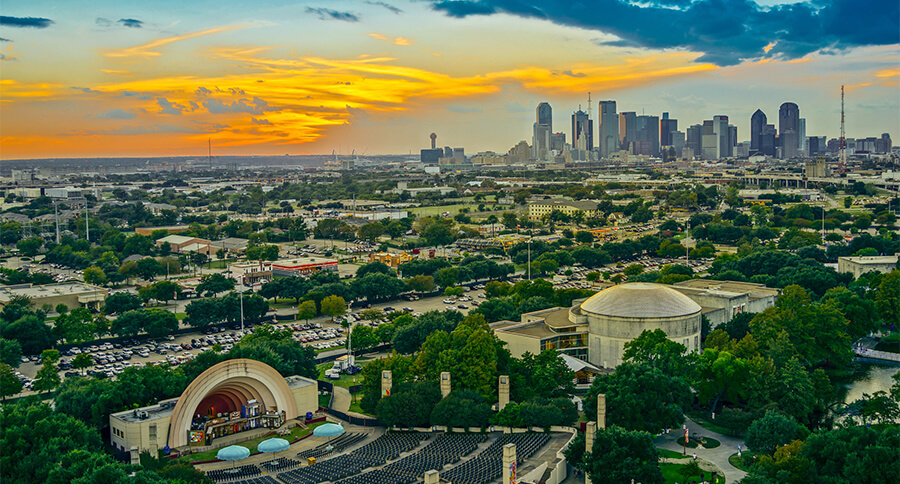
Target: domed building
(621, 313)
(596, 329)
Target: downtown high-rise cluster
(630, 133)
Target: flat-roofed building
(251, 273)
(389, 259)
(72, 294)
(303, 266)
(172, 229)
(720, 301)
(861, 265)
(537, 209)
(181, 243)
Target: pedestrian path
(342, 399)
(706, 458)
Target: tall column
(601, 411)
(432, 477)
(509, 464)
(590, 431)
(386, 383)
(503, 390)
(445, 383)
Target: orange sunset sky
(141, 78)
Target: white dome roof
(640, 300)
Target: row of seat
(242, 472)
(279, 465)
(337, 445)
(257, 480)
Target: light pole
(529, 258)
(242, 304)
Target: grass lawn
(672, 474)
(745, 462)
(671, 454)
(180, 316)
(295, 434)
(712, 427)
(346, 381)
(437, 211)
(354, 407)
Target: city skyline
(124, 79)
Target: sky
(143, 78)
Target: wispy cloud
(402, 41)
(387, 6)
(117, 113)
(149, 50)
(4, 40)
(130, 23)
(25, 22)
(329, 14)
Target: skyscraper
(627, 129)
(666, 127)
(646, 136)
(540, 142)
(582, 131)
(694, 139)
(757, 124)
(801, 136)
(545, 115)
(609, 129)
(789, 130)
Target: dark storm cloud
(387, 6)
(131, 23)
(23, 22)
(4, 40)
(725, 31)
(329, 14)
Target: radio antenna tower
(843, 141)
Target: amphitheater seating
(485, 467)
(375, 453)
(337, 446)
(242, 472)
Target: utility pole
(87, 223)
(56, 211)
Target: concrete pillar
(432, 477)
(601, 411)
(509, 464)
(503, 390)
(445, 383)
(590, 431)
(386, 383)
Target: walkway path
(342, 399)
(717, 456)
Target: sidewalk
(717, 457)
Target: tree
(583, 237)
(654, 348)
(9, 384)
(94, 275)
(30, 246)
(447, 276)
(617, 457)
(641, 397)
(887, 298)
(47, 378)
(371, 231)
(543, 376)
(31, 332)
(633, 270)
(860, 312)
(409, 405)
(307, 310)
(334, 306)
(362, 337)
(377, 287)
(82, 361)
(421, 283)
(462, 408)
(772, 431)
(817, 332)
(75, 327)
(373, 268)
(147, 268)
(853, 454)
(121, 302)
(10, 352)
(201, 313)
(165, 291)
(212, 284)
